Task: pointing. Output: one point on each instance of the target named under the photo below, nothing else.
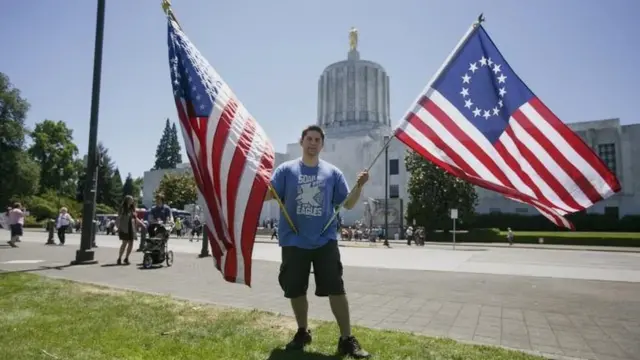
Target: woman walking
(16, 223)
(63, 223)
(127, 221)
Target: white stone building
(353, 109)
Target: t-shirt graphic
(310, 196)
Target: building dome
(353, 95)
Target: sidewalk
(403, 243)
(575, 318)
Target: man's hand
(362, 179)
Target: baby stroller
(156, 247)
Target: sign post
(454, 216)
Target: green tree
(175, 152)
(127, 187)
(163, 155)
(20, 174)
(53, 149)
(22, 179)
(132, 186)
(433, 192)
(116, 183)
(107, 194)
(178, 189)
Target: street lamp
(85, 254)
(386, 190)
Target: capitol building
(354, 110)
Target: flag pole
(166, 7)
(284, 210)
(434, 78)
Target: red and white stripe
(538, 160)
(232, 160)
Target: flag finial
(480, 19)
(166, 6)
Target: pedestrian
(16, 223)
(310, 189)
(62, 224)
(510, 236)
(127, 225)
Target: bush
(582, 222)
(41, 209)
(495, 236)
(104, 209)
(32, 222)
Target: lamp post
(85, 254)
(204, 251)
(386, 191)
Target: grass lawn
(42, 318)
(576, 234)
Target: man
(161, 212)
(310, 189)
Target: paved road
(558, 315)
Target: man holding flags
(310, 189)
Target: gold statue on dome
(353, 39)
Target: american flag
(479, 121)
(230, 154)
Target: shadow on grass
(39, 268)
(280, 354)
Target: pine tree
(116, 181)
(175, 150)
(128, 188)
(163, 157)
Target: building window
(394, 191)
(394, 167)
(607, 153)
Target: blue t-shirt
(160, 212)
(310, 195)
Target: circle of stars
(501, 79)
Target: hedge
(582, 222)
(495, 236)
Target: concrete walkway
(556, 315)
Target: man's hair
(160, 197)
(312, 128)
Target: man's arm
(353, 197)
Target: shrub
(104, 209)
(31, 222)
(582, 221)
(494, 236)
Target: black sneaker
(351, 347)
(119, 262)
(126, 261)
(301, 339)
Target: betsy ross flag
(480, 122)
(231, 156)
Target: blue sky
(579, 56)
